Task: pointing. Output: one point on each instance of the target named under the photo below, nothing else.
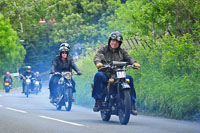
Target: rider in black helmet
(111, 52)
(27, 73)
(62, 62)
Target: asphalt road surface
(35, 114)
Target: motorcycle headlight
(37, 83)
(68, 75)
(28, 81)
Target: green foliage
(83, 83)
(168, 81)
(12, 53)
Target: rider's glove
(99, 65)
(136, 65)
(79, 73)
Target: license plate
(6, 84)
(121, 74)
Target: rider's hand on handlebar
(99, 65)
(136, 65)
(79, 73)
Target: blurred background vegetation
(168, 83)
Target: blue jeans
(101, 81)
(54, 83)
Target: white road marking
(0, 95)
(0, 105)
(21, 111)
(67, 122)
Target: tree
(12, 52)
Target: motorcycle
(27, 86)
(116, 97)
(7, 86)
(64, 91)
(36, 84)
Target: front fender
(125, 86)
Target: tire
(26, 91)
(68, 100)
(125, 108)
(105, 116)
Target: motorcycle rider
(38, 78)
(61, 63)
(111, 52)
(27, 73)
(8, 77)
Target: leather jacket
(109, 55)
(61, 66)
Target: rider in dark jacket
(27, 73)
(111, 52)
(8, 77)
(61, 63)
(38, 78)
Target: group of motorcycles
(31, 85)
(116, 99)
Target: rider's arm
(11, 79)
(97, 59)
(73, 65)
(53, 66)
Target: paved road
(35, 114)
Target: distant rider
(27, 73)
(38, 78)
(8, 78)
(61, 63)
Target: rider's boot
(133, 108)
(52, 99)
(97, 105)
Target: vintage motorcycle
(36, 84)
(64, 91)
(27, 84)
(7, 86)
(116, 99)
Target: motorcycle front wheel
(68, 100)
(26, 91)
(125, 107)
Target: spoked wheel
(26, 91)
(105, 115)
(125, 107)
(68, 100)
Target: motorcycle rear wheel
(7, 89)
(125, 107)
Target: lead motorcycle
(64, 91)
(116, 99)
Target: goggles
(64, 52)
(115, 37)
